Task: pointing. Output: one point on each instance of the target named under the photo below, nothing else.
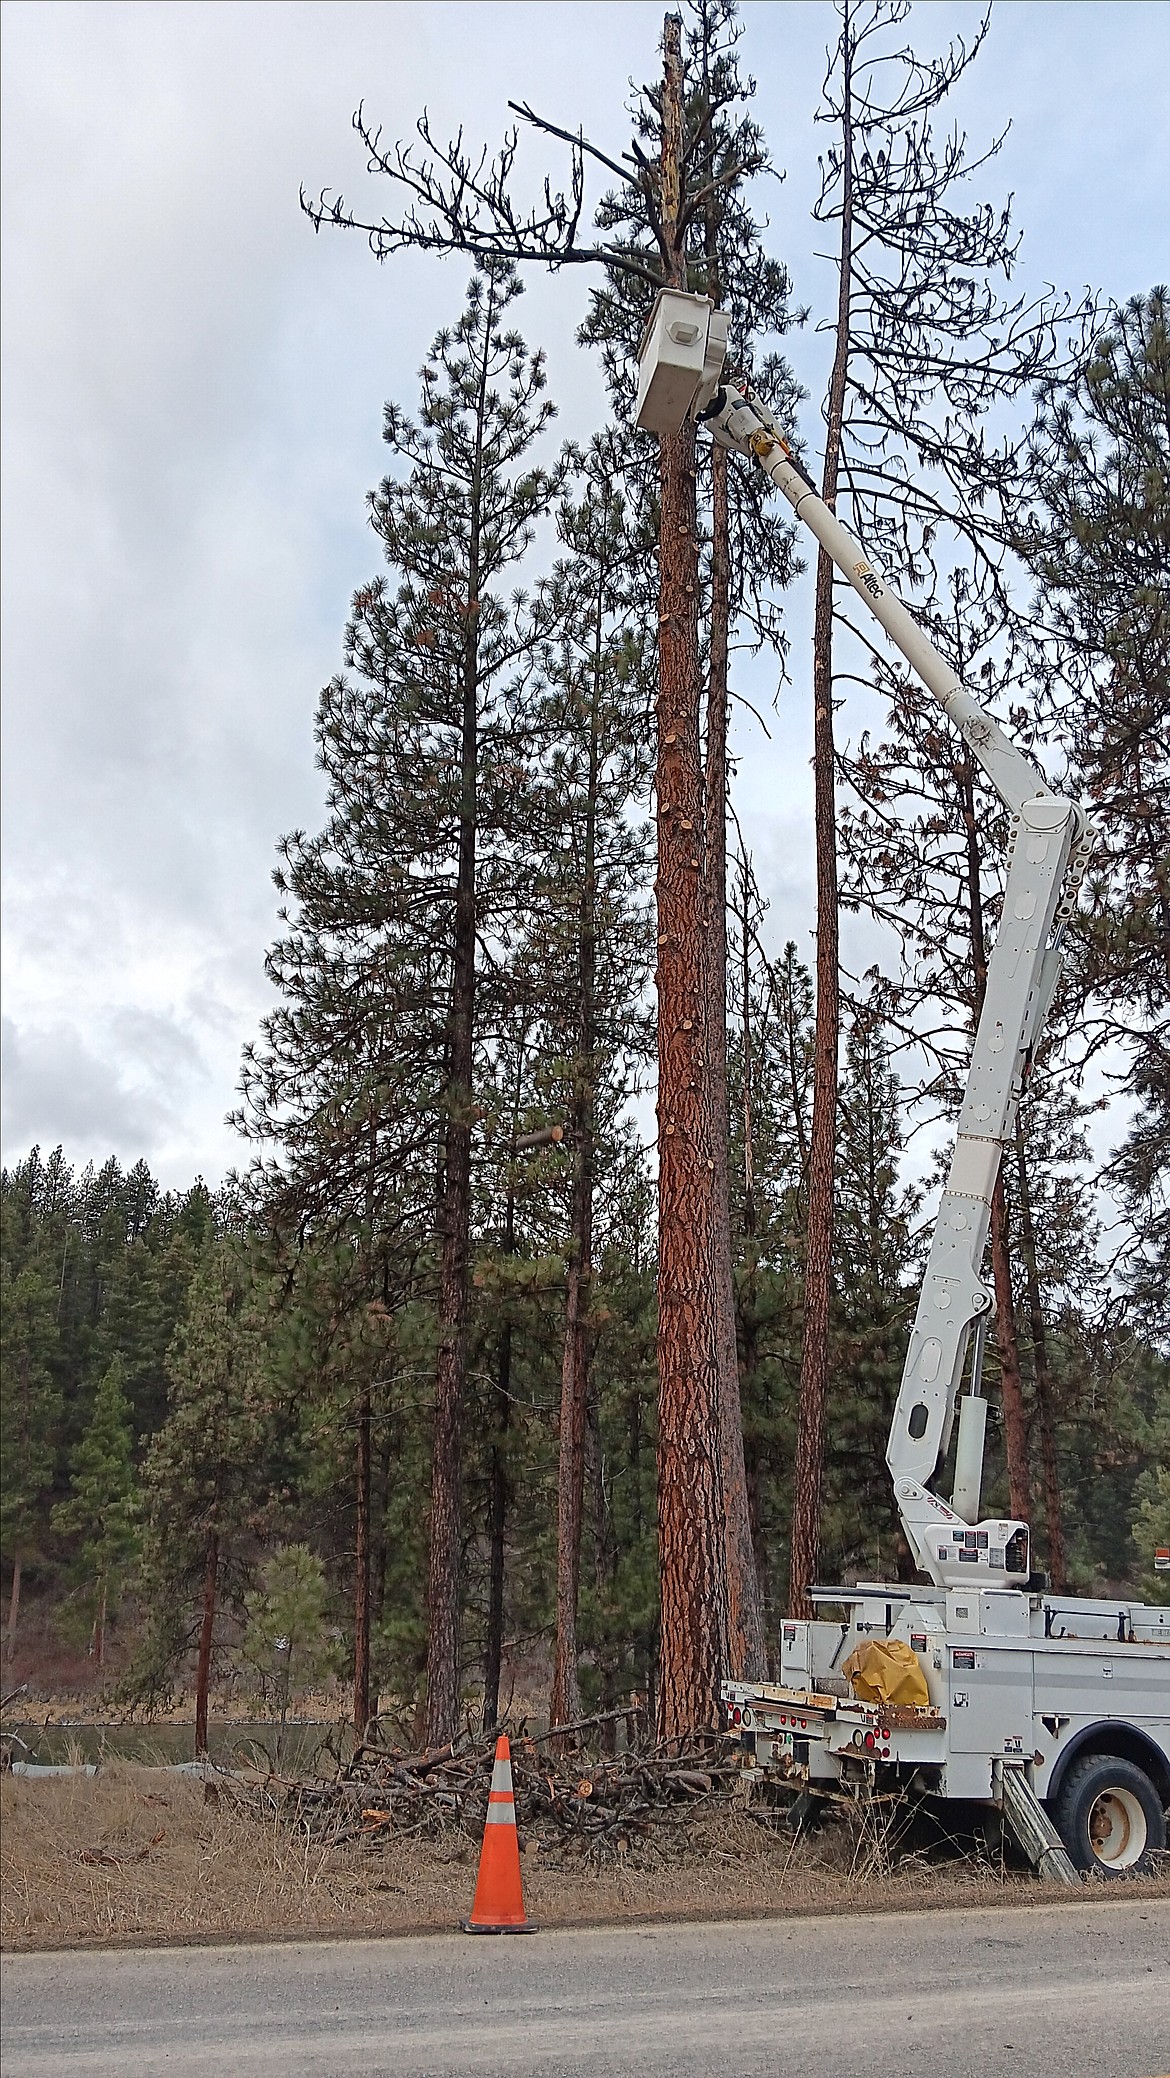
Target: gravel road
(1070, 1991)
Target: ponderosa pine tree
(367, 1078)
(462, 517)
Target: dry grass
(137, 1856)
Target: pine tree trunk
(13, 1612)
(565, 1704)
(745, 1621)
(692, 1551)
(361, 1586)
(206, 1633)
(818, 1271)
(447, 1461)
(1042, 1377)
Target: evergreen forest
(541, 1351)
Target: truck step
(1032, 1829)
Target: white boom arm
(681, 359)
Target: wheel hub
(1117, 1828)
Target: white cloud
(56, 1088)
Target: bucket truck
(977, 1684)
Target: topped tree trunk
(690, 1486)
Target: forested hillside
(410, 1393)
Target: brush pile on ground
(643, 1800)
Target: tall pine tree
(367, 1074)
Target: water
(249, 1742)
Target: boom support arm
(1048, 849)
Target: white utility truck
(980, 1685)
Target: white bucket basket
(679, 360)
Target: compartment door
(990, 1698)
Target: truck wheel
(1109, 1816)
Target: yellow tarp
(885, 1670)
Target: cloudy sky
(194, 386)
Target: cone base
(523, 1926)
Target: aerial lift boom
(680, 364)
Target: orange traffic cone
(499, 1899)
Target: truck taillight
(884, 1733)
(870, 1742)
(737, 1715)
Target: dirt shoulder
(136, 1857)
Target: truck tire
(1109, 1816)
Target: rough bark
(1042, 1379)
(450, 1371)
(745, 1617)
(361, 1588)
(692, 1553)
(818, 1271)
(206, 1633)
